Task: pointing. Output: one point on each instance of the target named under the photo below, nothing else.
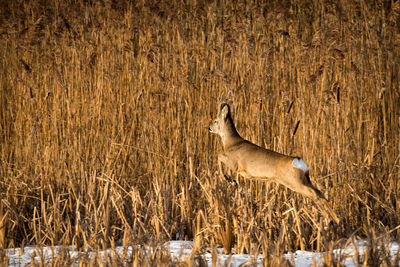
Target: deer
(254, 162)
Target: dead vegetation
(104, 108)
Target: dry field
(104, 109)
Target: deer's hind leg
(324, 203)
(302, 184)
(321, 202)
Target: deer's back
(255, 161)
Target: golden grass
(104, 110)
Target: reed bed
(105, 107)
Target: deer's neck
(230, 136)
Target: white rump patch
(300, 164)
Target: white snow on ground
(182, 249)
(301, 258)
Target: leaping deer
(254, 162)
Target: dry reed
(105, 107)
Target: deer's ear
(225, 111)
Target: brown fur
(254, 162)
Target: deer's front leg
(230, 164)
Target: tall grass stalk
(104, 108)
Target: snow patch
(300, 164)
(182, 249)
